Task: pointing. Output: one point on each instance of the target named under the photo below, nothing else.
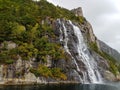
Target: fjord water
(63, 87)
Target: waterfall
(65, 40)
(87, 59)
(91, 74)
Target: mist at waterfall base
(63, 87)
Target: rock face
(109, 76)
(78, 11)
(86, 67)
(112, 52)
(30, 77)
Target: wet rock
(109, 76)
(107, 49)
(118, 77)
(73, 75)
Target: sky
(104, 15)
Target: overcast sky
(104, 15)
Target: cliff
(42, 43)
(107, 49)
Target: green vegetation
(27, 51)
(30, 24)
(55, 73)
(8, 56)
(81, 20)
(21, 22)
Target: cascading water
(86, 58)
(66, 46)
(91, 74)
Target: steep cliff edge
(42, 43)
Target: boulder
(109, 76)
(30, 77)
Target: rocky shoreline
(24, 82)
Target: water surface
(63, 87)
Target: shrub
(9, 61)
(27, 51)
(44, 71)
(55, 73)
(58, 74)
